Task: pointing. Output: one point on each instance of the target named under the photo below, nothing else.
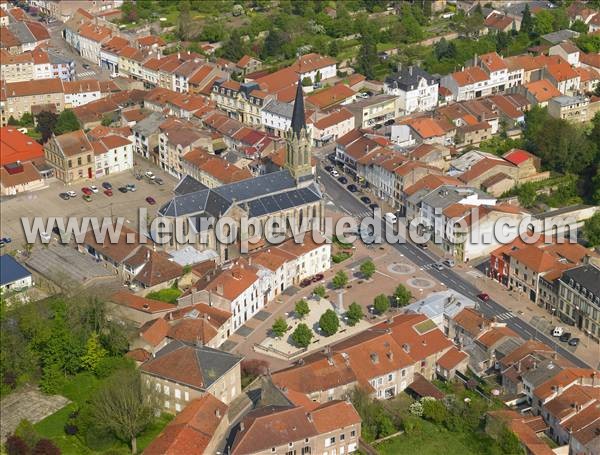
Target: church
(290, 194)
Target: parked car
(331, 157)
(150, 175)
(558, 331)
(94, 189)
(352, 188)
(573, 341)
(159, 181)
(483, 296)
(373, 206)
(64, 196)
(72, 193)
(450, 262)
(389, 122)
(335, 173)
(87, 198)
(106, 186)
(565, 337)
(123, 189)
(5, 241)
(305, 282)
(130, 187)
(343, 180)
(366, 199)
(438, 266)
(85, 190)
(150, 200)
(108, 192)
(317, 277)
(328, 168)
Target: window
(177, 393)
(167, 405)
(187, 396)
(353, 433)
(177, 407)
(342, 437)
(166, 390)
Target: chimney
(218, 413)
(309, 417)
(242, 427)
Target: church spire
(298, 120)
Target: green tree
(279, 327)
(302, 308)
(67, 122)
(94, 353)
(340, 280)
(273, 45)
(367, 57)
(527, 20)
(434, 411)
(526, 194)
(306, 81)
(334, 48)
(579, 26)
(354, 314)
(184, 20)
(509, 442)
(329, 322)
(106, 120)
(591, 229)
(302, 335)
(45, 124)
(402, 295)
(381, 303)
(543, 22)
(27, 433)
(233, 49)
(125, 406)
(26, 119)
(367, 269)
(320, 291)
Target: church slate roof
(298, 120)
(188, 184)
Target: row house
(563, 77)
(176, 138)
(539, 92)
(375, 110)
(48, 64)
(72, 156)
(21, 97)
(424, 130)
(91, 37)
(146, 136)
(331, 97)
(109, 54)
(16, 67)
(23, 36)
(181, 105)
(307, 66)
(211, 170)
(408, 205)
(571, 108)
(568, 51)
(333, 427)
(113, 154)
(331, 127)
(416, 89)
(276, 118)
(131, 62)
(78, 93)
(243, 102)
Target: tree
(320, 291)
(26, 119)
(579, 26)
(367, 269)
(302, 308)
(27, 433)
(527, 20)
(234, 47)
(94, 353)
(16, 446)
(125, 406)
(543, 22)
(279, 327)
(367, 57)
(273, 44)
(306, 81)
(45, 447)
(302, 336)
(526, 194)
(502, 41)
(106, 120)
(354, 314)
(184, 20)
(340, 280)
(318, 77)
(434, 410)
(591, 229)
(45, 124)
(329, 322)
(381, 303)
(402, 295)
(334, 48)
(67, 122)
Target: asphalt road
(345, 201)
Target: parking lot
(47, 203)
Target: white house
(78, 93)
(91, 37)
(113, 154)
(13, 276)
(416, 89)
(328, 129)
(310, 64)
(568, 51)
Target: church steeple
(298, 153)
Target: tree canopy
(381, 303)
(354, 314)
(302, 335)
(329, 322)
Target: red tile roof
(330, 96)
(517, 156)
(470, 76)
(451, 359)
(135, 302)
(333, 119)
(311, 62)
(542, 90)
(16, 146)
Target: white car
(558, 331)
(391, 218)
(72, 193)
(150, 175)
(93, 188)
(335, 173)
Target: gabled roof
(331, 96)
(16, 146)
(542, 90)
(470, 76)
(138, 303)
(11, 270)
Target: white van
(391, 218)
(449, 262)
(558, 331)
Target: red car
(108, 192)
(150, 200)
(483, 296)
(305, 282)
(318, 277)
(87, 191)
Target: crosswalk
(363, 214)
(429, 266)
(86, 74)
(505, 316)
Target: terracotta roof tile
(143, 304)
(451, 358)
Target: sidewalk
(539, 318)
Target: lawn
(433, 440)
(169, 295)
(79, 389)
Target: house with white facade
(91, 37)
(328, 129)
(113, 153)
(13, 276)
(310, 64)
(145, 133)
(568, 51)
(78, 93)
(416, 89)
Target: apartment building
(416, 89)
(333, 126)
(182, 372)
(307, 66)
(211, 170)
(571, 108)
(375, 110)
(243, 102)
(579, 298)
(113, 154)
(78, 93)
(16, 67)
(176, 138)
(22, 96)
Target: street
(345, 201)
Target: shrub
(45, 447)
(16, 446)
(320, 291)
(71, 429)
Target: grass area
(169, 295)
(340, 257)
(433, 440)
(79, 389)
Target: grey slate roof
(545, 370)
(22, 32)
(11, 270)
(298, 120)
(408, 78)
(149, 125)
(587, 276)
(260, 195)
(188, 184)
(280, 109)
(560, 36)
(447, 195)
